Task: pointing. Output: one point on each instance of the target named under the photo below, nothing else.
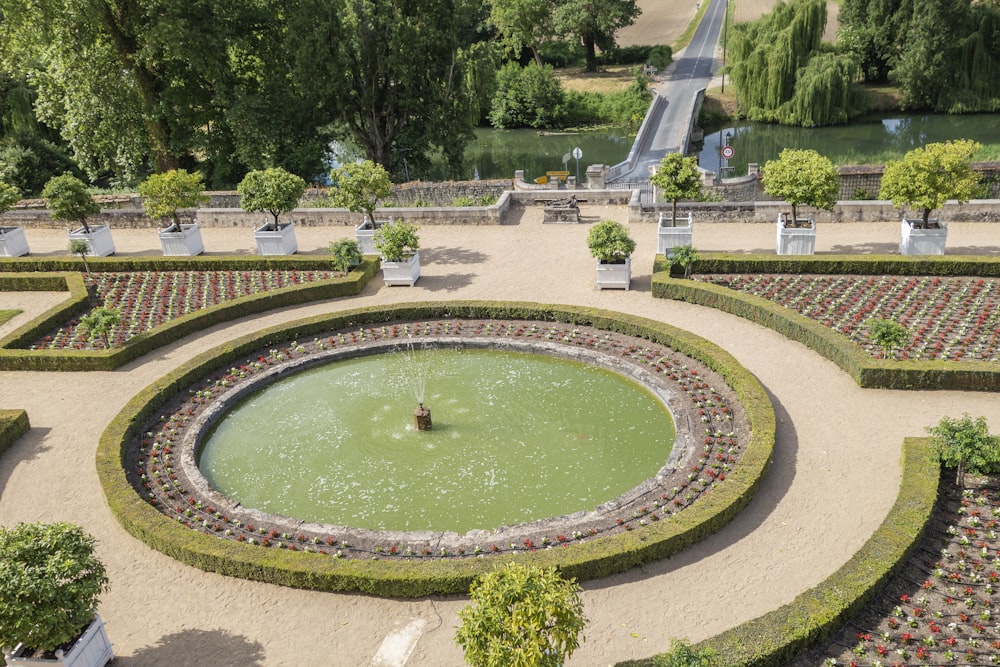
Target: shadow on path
(197, 648)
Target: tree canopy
(68, 199)
(927, 177)
(9, 195)
(677, 177)
(521, 616)
(273, 190)
(165, 193)
(594, 23)
(522, 24)
(359, 186)
(802, 177)
(966, 444)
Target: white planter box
(796, 240)
(281, 242)
(673, 236)
(92, 649)
(364, 234)
(99, 241)
(186, 242)
(13, 242)
(405, 272)
(614, 276)
(919, 241)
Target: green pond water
(516, 437)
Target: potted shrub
(50, 583)
(800, 177)
(13, 242)
(68, 199)
(397, 243)
(163, 194)
(346, 254)
(677, 177)
(926, 178)
(358, 187)
(275, 191)
(610, 243)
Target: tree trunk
(673, 213)
(927, 217)
(591, 49)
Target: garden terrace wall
(865, 370)
(13, 356)
(596, 558)
(13, 424)
(774, 639)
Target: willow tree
(772, 65)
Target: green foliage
(522, 24)
(523, 616)
(50, 583)
(624, 107)
(273, 190)
(486, 200)
(463, 201)
(784, 75)
(165, 193)
(29, 162)
(346, 254)
(527, 97)
(81, 248)
(68, 199)
(802, 177)
(682, 257)
(660, 57)
(9, 195)
(966, 444)
(682, 654)
(594, 23)
(929, 176)
(13, 424)
(677, 177)
(887, 334)
(358, 187)
(562, 53)
(396, 240)
(100, 322)
(609, 241)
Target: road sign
(577, 153)
(728, 152)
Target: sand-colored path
(834, 476)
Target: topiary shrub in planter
(50, 583)
(800, 177)
(358, 187)
(13, 242)
(677, 177)
(275, 191)
(397, 243)
(611, 244)
(163, 195)
(68, 199)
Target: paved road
(689, 74)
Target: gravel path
(835, 472)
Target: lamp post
(725, 31)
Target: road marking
(397, 647)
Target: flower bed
(149, 299)
(944, 606)
(953, 319)
(719, 437)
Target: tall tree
(594, 23)
(522, 24)
(392, 73)
(868, 30)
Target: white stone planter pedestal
(405, 272)
(184, 243)
(364, 234)
(614, 276)
(673, 236)
(280, 242)
(13, 242)
(92, 649)
(918, 241)
(98, 240)
(796, 240)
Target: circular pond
(516, 437)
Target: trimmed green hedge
(14, 357)
(398, 578)
(865, 265)
(13, 424)
(145, 263)
(774, 639)
(866, 371)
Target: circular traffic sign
(728, 152)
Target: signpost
(577, 153)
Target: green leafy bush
(527, 97)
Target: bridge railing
(641, 138)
